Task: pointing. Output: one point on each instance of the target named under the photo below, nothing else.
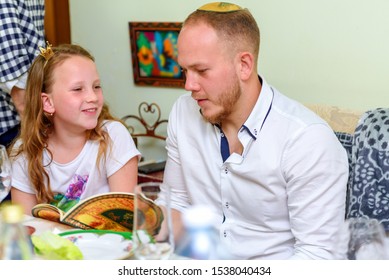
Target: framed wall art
(154, 54)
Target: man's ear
(47, 102)
(246, 63)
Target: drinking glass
(366, 240)
(152, 233)
(5, 173)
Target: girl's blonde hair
(37, 125)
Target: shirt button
(226, 170)
(225, 233)
(227, 205)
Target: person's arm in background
(16, 88)
(17, 95)
(23, 24)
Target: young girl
(70, 147)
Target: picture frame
(154, 54)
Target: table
(41, 225)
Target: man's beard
(227, 101)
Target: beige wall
(333, 52)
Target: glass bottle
(15, 243)
(201, 241)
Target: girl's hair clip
(47, 52)
(220, 7)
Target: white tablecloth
(41, 225)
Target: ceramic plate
(101, 244)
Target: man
(21, 35)
(270, 169)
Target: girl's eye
(77, 89)
(98, 87)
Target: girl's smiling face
(75, 98)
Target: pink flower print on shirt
(76, 188)
(73, 193)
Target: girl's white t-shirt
(82, 176)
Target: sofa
(365, 136)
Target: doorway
(57, 22)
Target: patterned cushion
(369, 178)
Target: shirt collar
(262, 107)
(259, 113)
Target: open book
(107, 211)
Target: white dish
(101, 245)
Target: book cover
(107, 211)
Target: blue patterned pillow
(369, 179)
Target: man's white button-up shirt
(283, 197)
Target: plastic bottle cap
(198, 216)
(12, 213)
